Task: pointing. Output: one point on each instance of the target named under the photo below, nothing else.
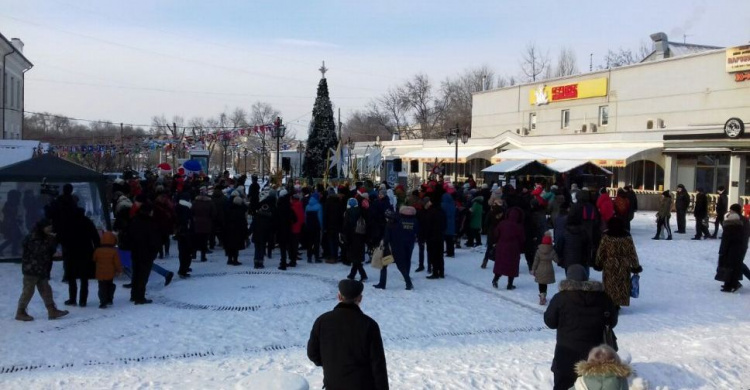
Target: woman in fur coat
(617, 259)
(542, 269)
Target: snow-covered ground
(225, 324)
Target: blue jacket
(449, 207)
(314, 207)
(401, 235)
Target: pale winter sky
(127, 61)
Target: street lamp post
(225, 144)
(279, 131)
(300, 150)
(377, 146)
(453, 136)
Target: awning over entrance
(519, 167)
(448, 154)
(605, 156)
(563, 166)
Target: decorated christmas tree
(322, 135)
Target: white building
(654, 124)
(13, 66)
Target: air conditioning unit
(593, 127)
(584, 128)
(518, 131)
(650, 124)
(525, 131)
(660, 124)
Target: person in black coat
(284, 221)
(347, 344)
(79, 254)
(235, 230)
(434, 228)
(722, 204)
(184, 233)
(145, 244)
(579, 312)
(333, 216)
(681, 204)
(574, 245)
(263, 224)
(732, 251)
(254, 194)
(700, 212)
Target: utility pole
(591, 62)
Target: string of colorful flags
(153, 143)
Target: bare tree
(533, 62)
(458, 94)
(567, 63)
(644, 50)
(621, 57)
(426, 108)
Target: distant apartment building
(13, 66)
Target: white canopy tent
(448, 154)
(601, 155)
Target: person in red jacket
(299, 212)
(605, 206)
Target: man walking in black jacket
(682, 202)
(722, 204)
(347, 343)
(700, 212)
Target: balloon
(192, 165)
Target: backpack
(361, 227)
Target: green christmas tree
(322, 135)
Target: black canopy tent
(27, 177)
(518, 169)
(584, 173)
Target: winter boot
(21, 315)
(237, 260)
(542, 299)
(53, 313)
(484, 264)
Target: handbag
(608, 336)
(387, 260)
(377, 256)
(723, 274)
(635, 285)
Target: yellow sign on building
(545, 94)
(738, 59)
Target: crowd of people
(548, 225)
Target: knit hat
(350, 289)
(283, 193)
(382, 192)
(736, 208)
(547, 239)
(238, 201)
(407, 210)
(351, 203)
(666, 194)
(576, 272)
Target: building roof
(15, 51)
(678, 49)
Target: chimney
(18, 44)
(661, 45)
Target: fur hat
(407, 210)
(351, 203)
(283, 193)
(732, 217)
(547, 239)
(666, 194)
(576, 272)
(238, 201)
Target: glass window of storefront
(474, 167)
(646, 175)
(712, 171)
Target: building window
(564, 119)
(603, 115)
(712, 171)
(646, 175)
(18, 94)
(532, 121)
(12, 92)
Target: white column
(670, 172)
(736, 168)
